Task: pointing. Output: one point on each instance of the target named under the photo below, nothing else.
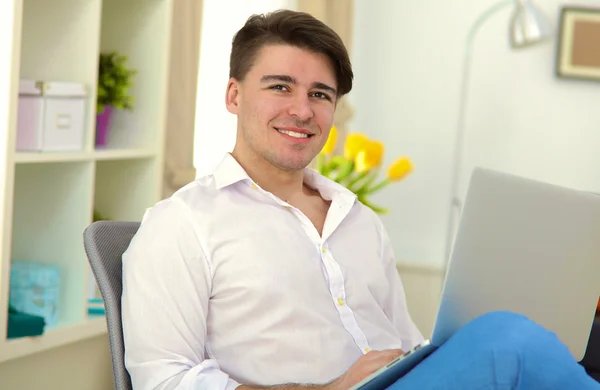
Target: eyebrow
(291, 80)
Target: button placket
(338, 294)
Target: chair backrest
(105, 242)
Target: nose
(301, 108)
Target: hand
(365, 366)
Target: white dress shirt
(226, 284)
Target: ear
(232, 96)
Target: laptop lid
(528, 247)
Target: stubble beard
(284, 163)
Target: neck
(284, 184)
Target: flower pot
(103, 125)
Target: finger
(381, 358)
(376, 364)
(393, 352)
(384, 358)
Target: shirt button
(340, 301)
(253, 185)
(323, 249)
(367, 350)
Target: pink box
(51, 116)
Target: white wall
(521, 119)
(215, 126)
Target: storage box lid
(30, 87)
(51, 88)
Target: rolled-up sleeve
(166, 290)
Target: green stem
(346, 170)
(378, 186)
(365, 186)
(377, 209)
(332, 165)
(356, 179)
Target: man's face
(285, 106)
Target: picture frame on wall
(578, 55)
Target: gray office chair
(105, 242)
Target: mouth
(295, 134)
(299, 136)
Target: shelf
(101, 155)
(48, 157)
(60, 42)
(56, 337)
(136, 28)
(52, 207)
(123, 154)
(49, 198)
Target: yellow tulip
(331, 141)
(399, 169)
(369, 156)
(353, 145)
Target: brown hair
(293, 28)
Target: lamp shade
(528, 25)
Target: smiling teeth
(293, 133)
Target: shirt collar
(229, 172)
(329, 189)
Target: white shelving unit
(49, 198)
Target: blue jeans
(499, 350)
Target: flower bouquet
(359, 168)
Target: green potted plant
(114, 81)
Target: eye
(321, 95)
(280, 87)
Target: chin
(288, 162)
(294, 166)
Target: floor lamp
(528, 26)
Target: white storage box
(51, 116)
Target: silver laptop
(524, 246)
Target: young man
(266, 274)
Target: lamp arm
(455, 203)
(483, 17)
